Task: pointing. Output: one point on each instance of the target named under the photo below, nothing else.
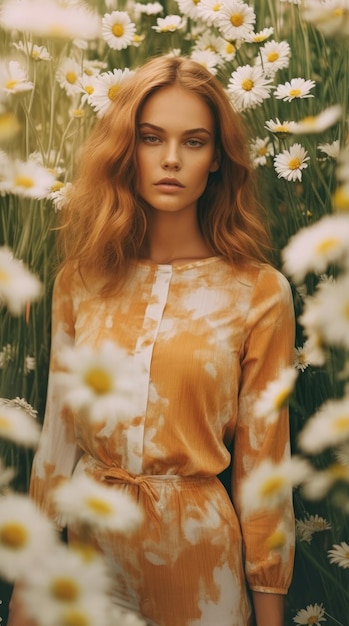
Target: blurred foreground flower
(17, 426)
(314, 248)
(50, 18)
(268, 485)
(100, 381)
(17, 285)
(275, 395)
(24, 532)
(65, 587)
(83, 500)
(328, 427)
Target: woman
(165, 255)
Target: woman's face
(175, 150)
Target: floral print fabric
(207, 338)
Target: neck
(174, 237)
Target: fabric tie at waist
(114, 474)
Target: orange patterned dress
(209, 338)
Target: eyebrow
(190, 131)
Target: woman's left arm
(269, 608)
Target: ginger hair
(104, 221)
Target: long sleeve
(57, 453)
(267, 350)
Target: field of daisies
(285, 65)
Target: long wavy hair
(104, 221)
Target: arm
(268, 348)
(58, 452)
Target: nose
(171, 157)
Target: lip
(169, 182)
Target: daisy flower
(17, 285)
(275, 396)
(66, 583)
(105, 89)
(29, 179)
(330, 17)
(310, 525)
(24, 532)
(268, 485)
(235, 19)
(314, 248)
(274, 56)
(327, 312)
(260, 150)
(68, 76)
(330, 149)
(84, 500)
(302, 356)
(339, 554)
(118, 30)
(206, 58)
(208, 11)
(248, 87)
(312, 614)
(50, 18)
(318, 123)
(259, 37)
(208, 41)
(17, 426)
(33, 51)
(13, 78)
(318, 483)
(340, 199)
(150, 8)
(169, 24)
(290, 163)
(295, 88)
(279, 128)
(60, 196)
(328, 427)
(189, 8)
(227, 50)
(100, 382)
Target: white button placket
(143, 355)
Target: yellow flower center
(216, 7)
(71, 78)
(342, 423)
(99, 380)
(338, 12)
(99, 506)
(295, 93)
(24, 181)
(229, 48)
(272, 57)
(313, 619)
(88, 72)
(11, 84)
(237, 19)
(9, 125)
(113, 92)
(341, 198)
(259, 38)
(4, 277)
(89, 89)
(276, 540)
(272, 486)
(281, 129)
(137, 38)
(281, 398)
(75, 617)
(326, 245)
(4, 421)
(338, 471)
(65, 589)
(13, 535)
(57, 185)
(78, 113)
(118, 30)
(35, 55)
(247, 84)
(262, 151)
(294, 163)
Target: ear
(216, 162)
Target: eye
(194, 143)
(151, 139)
